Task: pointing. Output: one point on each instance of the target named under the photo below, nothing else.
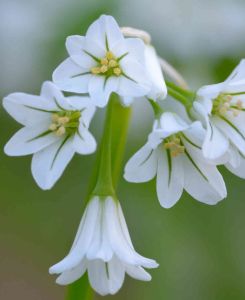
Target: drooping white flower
(158, 90)
(103, 247)
(173, 154)
(103, 62)
(55, 128)
(221, 108)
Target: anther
(117, 71)
(61, 131)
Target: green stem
(180, 90)
(181, 98)
(158, 111)
(113, 141)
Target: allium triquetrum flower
(103, 248)
(173, 154)
(221, 107)
(103, 62)
(55, 128)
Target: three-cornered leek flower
(158, 89)
(173, 154)
(221, 108)
(103, 247)
(103, 62)
(54, 129)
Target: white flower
(54, 129)
(103, 62)
(221, 108)
(173, 154)
(158, 90)
(103, 247)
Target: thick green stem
(112, 146)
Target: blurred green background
(201, 249)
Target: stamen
(173, 143)
(222, 104)
(61, 131)
(108, 65)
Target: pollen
(65, 122)
(108, 66)
(223, 104)
(173, 143)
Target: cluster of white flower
(182, 151)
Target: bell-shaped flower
(221, 108)
(55, 128)
(104, 61)
(173, 154)
(103, 247)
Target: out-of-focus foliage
(200, 248)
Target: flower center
(109, 66)
(174, 145)
(65, 122)
(222, 104)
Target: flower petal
(82, 240)
(84, 142)
(202, 181)
(29, 140)
(135, 83)
(85, 105)
(105, 27)
(170, 178)
(116, 271)
(98, 278)
(49, 163)
(158, 90)
(237, 168)
(70, 77)
(69, 276)
(101, 88)
(28, 110)
(231, 132)
(138, 273)
(55, 97)
(142, 165)
(119, 243)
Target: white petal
(72, 275)
(215, 144)
(28, 110)
(142, 165)
(138, 273)
(137, 83)
(85, 105)
(202, 181)
(237, 167)
(236, 81)
(170, 178)
(49, 163)
(70, 77)
(116, 272)
(101, 88)
(53, 95)
(172, 123)
(97, 272)
(82, 240)
(76, 47)
(209, 92)
(158, 90)
(234, 134)
(135, 48)
(105, 26)
(29, 140)
(84, 142)
(123, 250)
